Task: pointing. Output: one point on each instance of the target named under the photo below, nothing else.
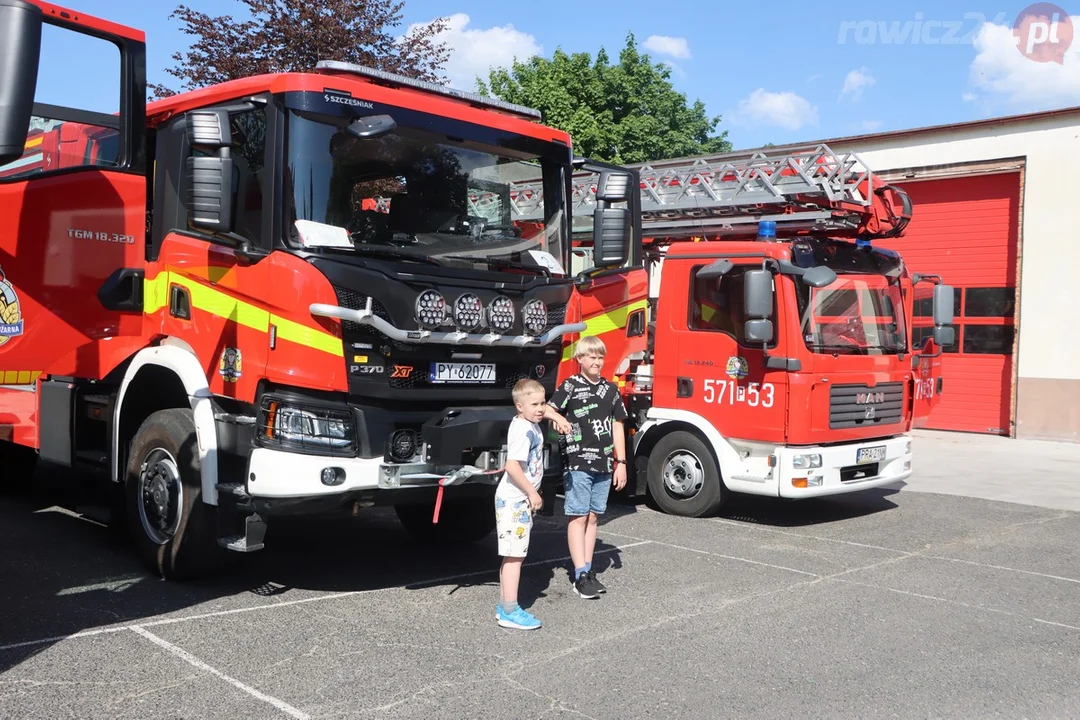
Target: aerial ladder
(813, 190)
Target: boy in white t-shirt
(517, 497)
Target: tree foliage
(294, 35)
(627, 112)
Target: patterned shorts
(513, 525)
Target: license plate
(870, 454)
(462, 372)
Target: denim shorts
(585, 492)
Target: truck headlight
(307, 428)
(501, 314)
(810, 460)
(430, 309)
(534, 316)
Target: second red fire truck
(765, 340)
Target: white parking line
(289, 603)
(191, 659)
(713, 554)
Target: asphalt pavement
(915, 601)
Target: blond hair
(526, 386)
(590, 345)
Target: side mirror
(943, 305)
(758, 301)
(613, 186)
(372, 126)
(611, 237)
(819, 276)
(944, 336)
(20, 49)
(758, 294)
(758, 331)
(210, 179)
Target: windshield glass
(415, 194)
(855, 315)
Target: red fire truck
(204, 300)
(765, 343)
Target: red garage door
(965, 229)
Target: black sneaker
(600, 588)
(585, 586)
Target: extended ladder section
(812, 190)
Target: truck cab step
(251, 540)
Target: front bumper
(840, 470)
(464, 444)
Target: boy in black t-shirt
(594, 456)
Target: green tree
(628, 112)
(294, 35)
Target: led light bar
(338, 66)
(534, 316)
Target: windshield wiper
(847, 349)
(391, 253)
(499, 262)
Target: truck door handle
(179, 302)
(635, 324)
(684, 387)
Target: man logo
(869, 397)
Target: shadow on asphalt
(781, 513)
(63, 574)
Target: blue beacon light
(766, 230)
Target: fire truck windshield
(424, 189)
(855, 315)
(862, 311)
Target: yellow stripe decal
(309, 337)
(19, 377)
(614, 319)
(224, 305)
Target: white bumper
(277, 474)
(840, 470)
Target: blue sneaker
(519, 619)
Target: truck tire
(460, 521)
(174, 532)
(683, 476)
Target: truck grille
(862, 406)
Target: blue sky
(777, 73)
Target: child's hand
(618, 478)
(563, 425)
(535, 501)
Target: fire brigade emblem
(11, 317)
(540, 370)
(232, 364)
(737, 368)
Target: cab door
(611, 298)
(718, 374)
(72, 238)
(932, 316)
